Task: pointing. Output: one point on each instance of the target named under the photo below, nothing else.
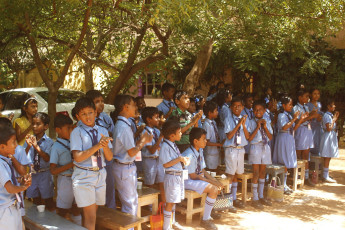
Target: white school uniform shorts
(153, 171)
(10, 218)
(195, 185)
(234, 161)
(212, 161)
(42, 186)
(65, 196)
(174, 188)
(260, 154)
(89, 187)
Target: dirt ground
(322, 207)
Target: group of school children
(173, 145)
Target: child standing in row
(90, 146)
(329, 138)
(167, 105)
(224, 98)
(38, 148)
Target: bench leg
(295, 178)
(139, 215)
(317, 170)
(155, 206)
(244, 190)
(203, 200)
(302, 176)
(189, 213)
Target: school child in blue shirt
(11, 199)
(259, 153)
(125, 151)
(212, 153)
(167, 105)
(237, 135)
(90, 146)
(314, 104)
(224, 98)
(198, 179)
(61, 164)
(105, 121)
(329, 138)
(153, 170)
(284, 147)
(172, 160)
(38, 148)
(248, 106)
(304, 135)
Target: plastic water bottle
(273, 182)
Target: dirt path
(322, 207)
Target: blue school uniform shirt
(283, 119)
(229, 125)
(105, 121)
(45, 144)
(21, 157)
(123, 140)
(225, 113)
(196, 158)
(169, 152)
(165, 105)
(328, 118)
(318, 107)
(268, 115)
(155, 133)
(258, 136)
(81, 140)
(6, 199)
(61, 154)
(248, 112)
(211, 129)
(302, 109)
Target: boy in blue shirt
(172, 160)
(10, 190)
(38, 148)
(90, 146)
(237, 134)
(105, 121)
(212, 157)
(167, 105)
(198, 179)
(61, 164)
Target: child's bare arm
(253, 134)
(11, 188)
(209, 143)
(21, 169)
(144, 139)
(174, 162)
(55, 170)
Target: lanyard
(152, 133)
(176, 150)
(167, 105)
(125, 122)
(99, 124)
(198, 163)
(66, 147)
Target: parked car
(64, 103)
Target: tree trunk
(198, 68)
(88, 76)
(52, 96)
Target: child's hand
(105, 140)
(33, 141)
(185, 160)
(263, 122)
(146, 138)
(27, 180)
(304, 116)
(336, 116)
(28, 140)
(243, 120)
(296, 115)
(171, 109)
(10, 117)
(141, 128)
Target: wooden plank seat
(108, 218)
(317, 162)
(298, 175)
(189, 207)
(147, 196)
(244, 178)
(45, 220)
(276, 170)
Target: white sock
(255, 191)
(234, 190)
(209, 203)
(285, 179)
(325, 173)
(167, 220)
(306, 174)
(76, 219)
(261, 188)
(173, 214)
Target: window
(14, 100)
(151, 84)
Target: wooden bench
(275, 171)
(108, 218)
(147, 196)
(45, 220)
(299, 174)
(189, 208)
(243, 178)
(318, 166)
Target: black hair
(149, 112)
(210, 106)
(328, 101)
(6, 130)
(198, 98)
(260, 102)
(196, 133)
(93, 94)
(237, 99)
(212, 88)
(61, 120)
(313, 89)
(138, 98)
(43, 117)
(74, 114)
(284, 100)
(167, 86)
(170, 127)
(120, 101)
(220, 82)
(82, 103)
(179, 93)
(25, 101)
(247, 95)
(221, 95)
(301, 92)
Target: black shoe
(238, 204)
(177, 226)
(265, 202)
(256, 204)
(208, 224)
(232, 209)
(215, 216)
(309, 183)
